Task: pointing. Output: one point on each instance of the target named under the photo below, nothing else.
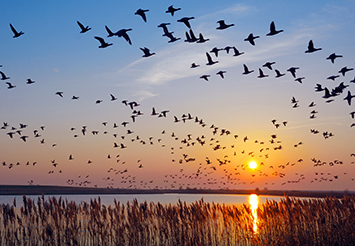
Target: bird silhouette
(251, 39)
(205, 77)
(185, 20)
(172, 10)
(349, 97)
(172, 38)
(273, 30)
(292, 70)
(16, 34)
(333, 56)
(113, 98)
(261, 74)
(3, 76)
(221, 73)
(333, 77)
(223, 25)
(165, 29)
(209, 59)
(29, 81)
(345, 70)
(311, 48)
(123, 33)
(193, 65)
(141, 12)
(300, 79)
(352, 114)
(83, 28)
(102, 42)
(246, 70)
(268, 65)
(215, 50)
(146, 52)
(201, 39)
(10, 86)
(237, 52)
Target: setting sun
(252, 165)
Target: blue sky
(54, 54)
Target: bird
(246, 70)
(185, 20)
(10, 86)
(110, 33)
(3, 76)
(221, 73)
(113, 98)
(237, 52)
(349, 97)
(300, 79)
(98, 101)
(146, 52)
(141, 12)
(215, 50)
(205, 77)
(223, 25)
(333, 77)
(172, 10)
(194, 65)
(332, 57)
(344, 70)
(273, 30)
(311, 48)
(75, 98)
(201, 39)
(294, 100)
(165, 29)
(29, 81)
(261, 74)
(59, 93)
(83, 28)
(312, 104)
(102, 42)
(123, 33)
(278, 74)
(292, 70)
(268, 65)
(16, 34)
(172, 38)
(251, 38)
(209, 59)
(352, 114)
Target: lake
(162, 198)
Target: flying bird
(300, 79)
(215, 50)
(349, 97)
(237, 52)
(3, 76)
(59, 93)
(29, 81)
(205, 77)
(16, 34)
(185, 20)
(246, 70)
(273, 30)
(209, 59)
(123, 33)
(146, 52)
(102, 42)
(141, 12)
(221, 73)
(201, 39)
(113, 98)
(10, 86)
(333, 77)
(172, 10)
(344, 70)
(332, 57)
(268, 65)
(83, 28)
(261, 74)
(194, 65)
(311, 48)
(223, 25)
(292, 70)
(251, 38)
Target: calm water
(162, 198)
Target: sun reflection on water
(254, 202)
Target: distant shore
(66, 190)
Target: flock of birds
(209, 171)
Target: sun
(252, 165)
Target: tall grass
(54, 221)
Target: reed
(291, 221)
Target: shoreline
(17, 190)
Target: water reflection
(254, 202)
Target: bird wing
(101, 40)
(126, 37)
(108, 30)
(13, 30)
(272, 27)
(81, 25)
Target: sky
(211, 129)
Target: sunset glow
(253, 165)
